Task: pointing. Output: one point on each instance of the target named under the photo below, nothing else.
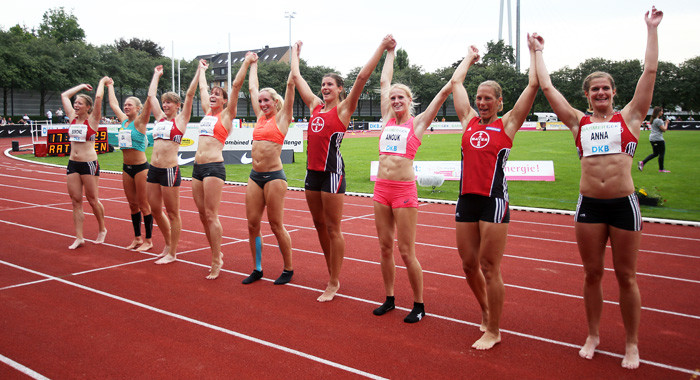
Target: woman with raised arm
(209, 172)
(482, 214)
(164, 173)
(133, 143)
(395, 193)
(607, 207)
(325, 174)
(83, 169)
(267, 184)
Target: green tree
(498, 53)
(689, 84)
(148, 46)
(14, 61)
(61, 26)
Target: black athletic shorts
(328, 182)
(622, 213)
(212, 169)
(473, 208)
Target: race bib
(77, 133)
(394, 139)
(162, 130)
(206, 126)
(125, 138)
(601, 138)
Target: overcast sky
(343, 35)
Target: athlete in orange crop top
(209, 172)
(267, 184)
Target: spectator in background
(3, 121)
(26, 119)
(656, 138)
(690, 118)
(49, 116)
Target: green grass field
(678, 188)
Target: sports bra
(399, 140)
(131, 138)
(81, 132)
(167, 130)
(267, 130)
(211, 126)
(609, 137)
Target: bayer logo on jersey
(479, 139)
(317, 124)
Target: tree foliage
(61, 26)
(148, 46)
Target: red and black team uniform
(611, 137)
(82, 133)
(483, 186)
(325, 166)
(168, 177)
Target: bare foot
(148, 244)
(588, 348)
(166, 249)
(215, 268)
(487, 341)
(329, 293)
(135, 243)
(631, 359)
(79, 242)
(101, 237)
(167, 259)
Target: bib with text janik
(162, 130)
(394, 139)
(601, 138)
(125, 139)
(77, 133)
(206, 126)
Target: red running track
(102, 311)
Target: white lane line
(201, 323)
(29, 372)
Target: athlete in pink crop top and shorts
(83, 169)
(395, 194)
(608, 207)
(482, 213)
(163, 179)
(325, 175)
(209, 172)
(267, 184)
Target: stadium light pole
(290, 16)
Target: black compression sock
(386, 306)
(255, 276)
(148, 222)
(416, 314)
(285, 277)
(136, 222)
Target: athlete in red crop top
(482, 213)
(325, 175)
(267, 184)
(163, 178)
(209, 171)
(83, 168)
(608, 208)
(395, 194)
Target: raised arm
(184, 116)
(204, 87)
(307, 95)
(565, 112)
(152, 91)
(285, 117)
(425, 118)
(66, 95)
(236, 86)
(464, 110)
(514, 119)
(96, 114)
(349, 104)
(143, 118)
(385, 83)
(636, 110)
(254, 87)
(113, 102)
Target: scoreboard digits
(58, 143)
